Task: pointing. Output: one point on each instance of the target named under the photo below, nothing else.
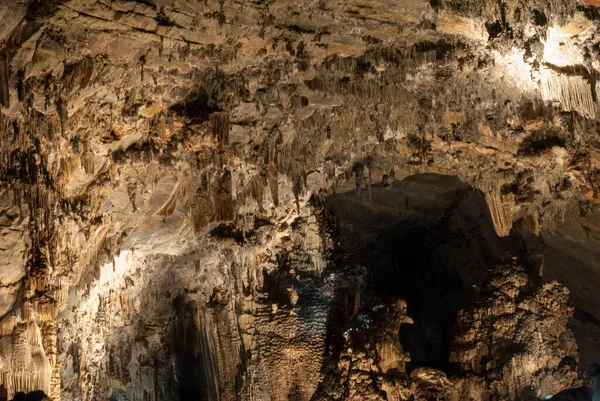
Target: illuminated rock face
(230, 200)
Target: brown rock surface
(163, 168)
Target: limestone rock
(166, 168)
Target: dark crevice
(198, 106)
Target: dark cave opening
(37, 395)
(193, 366)
(426, 239)
(433, 294)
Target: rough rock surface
(163, 163)
(515, 336)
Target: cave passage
(426, 239)
(193, 373)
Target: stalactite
(202, 211)
(50, 343)
(222, 198)
(66, 168)
(531, 223)
(4, 79)
(161, 126)
(219, 343)
(78, 74)
(169, 206)
(501, 209)
(27, 367)
(573, 93)
(356, 105)
(255, 189)
(272, 178)
(220, 126)
(45, 309)
(87, 161)
(63, 114)
(22, 381)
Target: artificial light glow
(560, 48)
(114, 272)
(517, 68)
(558, 51)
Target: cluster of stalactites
(25, 367)
(501, 207)
(573, 93)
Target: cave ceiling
(299, 200)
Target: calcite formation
(166, 168)
(515, 336)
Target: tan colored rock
(501, 209)
(529, 343)
(162, 168)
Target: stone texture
(162, 167)
(517, 337)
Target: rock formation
(515, 337)
(253, 200)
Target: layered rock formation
(164, 164)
